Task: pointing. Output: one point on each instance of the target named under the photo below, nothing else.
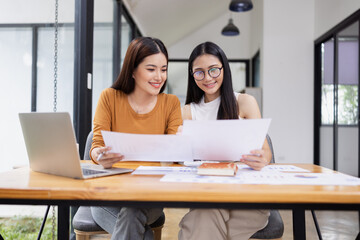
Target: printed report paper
(269, 177)
(149, 147)
(225, 140)
(155, 170)
(273, 167)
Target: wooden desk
(23, 186)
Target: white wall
(256, 33)
(328, 13)
(233, 46)
(287, 62)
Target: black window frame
(332, 33)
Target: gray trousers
(126, 223)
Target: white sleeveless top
(206, 111)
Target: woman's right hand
(107, 159)
(179, 131)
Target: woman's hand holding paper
(105, 158)
(257, 159)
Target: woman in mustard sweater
(134, 104)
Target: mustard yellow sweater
(114, 113)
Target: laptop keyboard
(87, 172)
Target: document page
(269, 176)
(149, 147)
(225, 140)
(155, 170)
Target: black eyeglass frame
(219, 68)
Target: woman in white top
(210, 96)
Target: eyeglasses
(213, 72)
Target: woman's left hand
(257, 160)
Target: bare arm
(186, 112)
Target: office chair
(83, 223)
(275, 228)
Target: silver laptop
(51, 147)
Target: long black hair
(228, 108)
(138, 49)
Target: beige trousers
(222, 224)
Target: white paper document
(155, 170)
(149, 147)
(225, 140)
(270, 177)
(160, 170)
(271, 167)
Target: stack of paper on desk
(221, 140)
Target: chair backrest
(88, 146)
(271, 148)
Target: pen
(100, 156)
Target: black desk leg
(299, 224)
(63, 222)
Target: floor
(334, 225)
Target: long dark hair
(138, 49)
(228, 108)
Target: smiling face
(150, 75)
(210, 85)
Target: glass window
(338, 132)
(348, 67)
(15, 75)
(348, 72)
(256, 70)
(238, 74)
(348, 80)
(177, 79)
(103, 49)
(102, 62)
(65, 70)
(348, 102)
(126, 35)
(16, 46)
(327, 86)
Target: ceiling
(173, 20)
